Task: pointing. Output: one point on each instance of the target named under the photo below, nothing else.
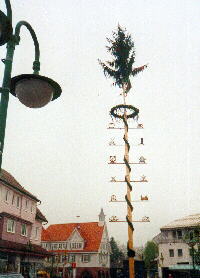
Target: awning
(184, 267)
(26, 249)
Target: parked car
(11, 275)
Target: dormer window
(174, 234)
(76, 245)
(179, 234)
(55, 246)
(64, 246)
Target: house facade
(80, 249)
(174, 252)
(20, 228)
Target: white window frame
(11, 226)
(64, 246)
(55, 246)
(86, 258)
(76, 245)
(24, 229)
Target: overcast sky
(60, 152)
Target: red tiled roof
(90, 232)
(7, 179)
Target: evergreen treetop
(121, 48)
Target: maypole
(120, 69)
(129, 217)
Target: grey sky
(60, 152)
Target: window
(24, 230)
(179, 233)
(66, 258)
(11, 226)
(171, 252)
(85, 258)
(76, 245)
(72, 258)
(26, 204)
(180, 252)
(13, 199)
(60, 246)
(63, 258)
(174, 234)
(64, 246)
(55, 246)
(104, 246)
(6, 195)
(36, 232)
(18, 201)
(50, 247)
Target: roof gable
(75, 236)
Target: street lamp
(33, 90)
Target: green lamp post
(33, 90)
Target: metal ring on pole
(118, 111)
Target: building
(79, 248)
(174, 252)
(20, 228)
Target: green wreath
(115, 111)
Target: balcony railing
(171, 240)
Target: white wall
(164, 249)
(10, 207)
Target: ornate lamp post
(33, 90)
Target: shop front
(21, 258)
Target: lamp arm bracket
(36, 63)
(9, 10)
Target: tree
(192, 238)
(150, 254)
(117, 255)
(120, 69)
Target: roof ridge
(73, 223)
(7, 179)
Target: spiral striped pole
(129, 219)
